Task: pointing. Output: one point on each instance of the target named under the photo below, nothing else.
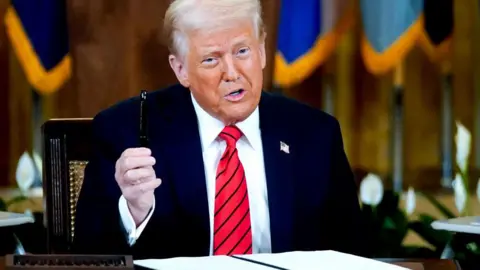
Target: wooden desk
(429, 264)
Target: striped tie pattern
(232, 229)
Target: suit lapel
(278, 170)
(183, 155)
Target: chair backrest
(66, 148)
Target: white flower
(460, 193)
(410, 201)
(462, 141)
(25, 174)
(371, 190)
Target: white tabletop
(13, 219)
(461, 225)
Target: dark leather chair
(66, 148)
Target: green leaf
(436, 238)
(401, 226)
(426, 219)
(444, 210)
(389, 224)
(473, 247)
(3, 205)
(391, 232)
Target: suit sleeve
(350, 233)
(98, 227)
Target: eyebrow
(215, 49)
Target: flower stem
(466, 185)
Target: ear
(180, 70)
(262, 51)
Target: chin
(232, 113)
(232, 119)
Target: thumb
(158, 182)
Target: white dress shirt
(250, 152)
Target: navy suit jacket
(312, 196)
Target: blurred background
(401, 76)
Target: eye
(209, 61)
(243, 51)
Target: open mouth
(236, 93)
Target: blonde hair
(183, 16)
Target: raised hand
(136, 178)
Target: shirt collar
(209, 127)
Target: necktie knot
(231, 134)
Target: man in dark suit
(229, 169)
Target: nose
(230, 71)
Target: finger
(139, 175)
(134, 152)
(141, 180)
(129, 163)
(146, 186)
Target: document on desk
(199, 263)
(289, 260)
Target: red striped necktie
(232, 230)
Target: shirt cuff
(132, 232)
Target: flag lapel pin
(284, 147)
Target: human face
(223, 70)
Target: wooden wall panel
(271, 10)
(422, 114)
(309, 91)
(20, 107)
(476, 76)
(373, 128)
(150, 69)
(4, 98)
(344, 93)
(15, 108)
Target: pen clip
(143, 119)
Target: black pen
(143, 138)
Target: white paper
(291, 260)
(199, 263)
(321, 260)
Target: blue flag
(390, 30)
(308, 33)
(39, 36)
